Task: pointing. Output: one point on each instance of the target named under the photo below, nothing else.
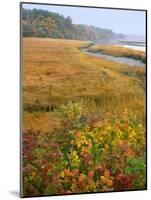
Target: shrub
(84, 157)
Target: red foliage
(122, 182)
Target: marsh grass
(119, 51)
(55, 72)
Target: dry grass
(36, 121)
(56, 71)
(119, 51)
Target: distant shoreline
(135, 43)
(139, 48)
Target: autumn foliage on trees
(41, 23)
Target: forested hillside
(41, 23)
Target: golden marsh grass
(55, 72)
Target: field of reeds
(83, 120)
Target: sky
(120, 21)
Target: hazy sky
(120, 21)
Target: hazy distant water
(141, 46)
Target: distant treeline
(41, 23)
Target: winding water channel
(128, 61)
